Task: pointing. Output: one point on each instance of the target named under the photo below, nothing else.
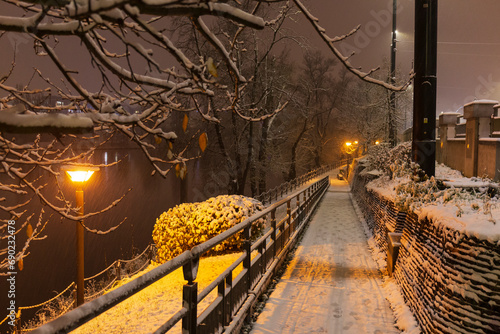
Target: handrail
(286, 187)
(236, 295)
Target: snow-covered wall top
(471, 215)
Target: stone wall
(450, 281)
(489, 162)
(455, 156)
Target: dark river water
(50, 266)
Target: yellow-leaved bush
(190, 224)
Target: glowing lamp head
(348, 144)
(377, 142)
(356, 142)
(80, 174)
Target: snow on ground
(332, 285)
(153, 306)
(405, 320)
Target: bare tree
(320, 93)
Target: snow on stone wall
(450, 281)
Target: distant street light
(351, 147)
(80, 175)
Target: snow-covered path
(332, 285)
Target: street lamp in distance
(350, 147)
(79, 175)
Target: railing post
(118, 273)
(74, 298)
(273, 232)
(190, 296)
(228, 301)
(190, 302)
(151, 252)
(305, 211)
(247, 262)
(297, 214)
(262, 262)
(289, 219)
(221, 290)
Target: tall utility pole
(392, 108)
(425, 85)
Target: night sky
(468, 42)
(468, 49)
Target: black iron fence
(287, 187)
(236, 295)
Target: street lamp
(392, 109)
(349, 149)
(79, 175)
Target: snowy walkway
(332, 285)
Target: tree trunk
(231, 187)
(263, 158)
(292, 172)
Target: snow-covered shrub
(393, 162)
(190, 224)
(410, 195)
(413, 188)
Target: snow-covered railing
(287, 187)
(236, 295)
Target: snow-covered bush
(393, 162)
(413, 188)
(190, 224)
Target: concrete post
(478, 115)
(447, 123)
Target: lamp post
(350, 148)
(425, 85)
(80, 175)
(392, 109)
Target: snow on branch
(45, 122)
(202, 27)
(185, 87)
(345, 59)
(31, 24)
(167, 8)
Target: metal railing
(236, 295)
(287, 187)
